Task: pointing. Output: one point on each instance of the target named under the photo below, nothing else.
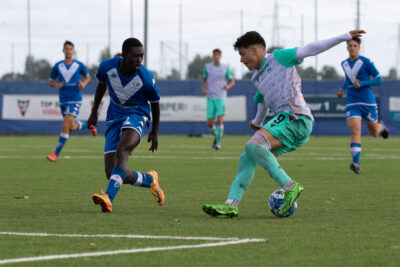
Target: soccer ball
(275, 201)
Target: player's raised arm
(315, 48)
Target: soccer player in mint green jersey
(215, 87)
(279, 90)
(360, 100)
(66, 77)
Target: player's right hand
(340, 92)
(92, 121)
(252, 126)
(59, 85)
(205, 92)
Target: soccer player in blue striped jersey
(217, 80)
(360, 100)
(131, 87)
(66, 76)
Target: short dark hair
(248, 39)
(356, 39)
(68, 43)
(217, 50)
(129, 43)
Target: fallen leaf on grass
(19, 197)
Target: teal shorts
(291, 132)
(215, 107)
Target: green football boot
(290, 196)
(221, 210)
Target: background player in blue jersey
(215, 87)
(131, 87)
(66, 76)
(360, 100)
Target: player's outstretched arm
(100, 91)
(153, 135)
(315, 48)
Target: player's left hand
(81, 85)
(357, 33)
(252, 126)
(226, 87)
(356, 84)
(153, 138)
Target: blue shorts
(366, 112)
(70, 109)
(114, 129)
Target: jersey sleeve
(151, 92)
(229, 73)
(84, 71)
(205, 73)
(286, 57)
(258, 98)
(53, 73)
(101, 73)
(372, 69)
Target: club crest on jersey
(23, 106)
(268, 67)
(136, 83)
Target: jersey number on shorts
(278, 120)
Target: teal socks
(254, 155)
(243, 178)
(219, 134)
(268, 161)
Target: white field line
(125, 236)
(304, 157)
(229, 241)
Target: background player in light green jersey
(215, 86)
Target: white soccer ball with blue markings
(275, 201)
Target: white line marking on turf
(126, 236)
(305, 157)
(231, 241)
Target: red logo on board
(23, 106)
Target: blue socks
(61, 142)
(82, 125)
(355, 152)
(142, 179)
(116, 180)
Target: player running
(131, 87)
(360, 100)
(279, 90)
(214, 85)
(65, 76)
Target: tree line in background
(39, 69)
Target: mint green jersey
(279, 84)
(217, 77)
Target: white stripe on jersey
(68, 73)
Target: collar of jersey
(263, 63)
